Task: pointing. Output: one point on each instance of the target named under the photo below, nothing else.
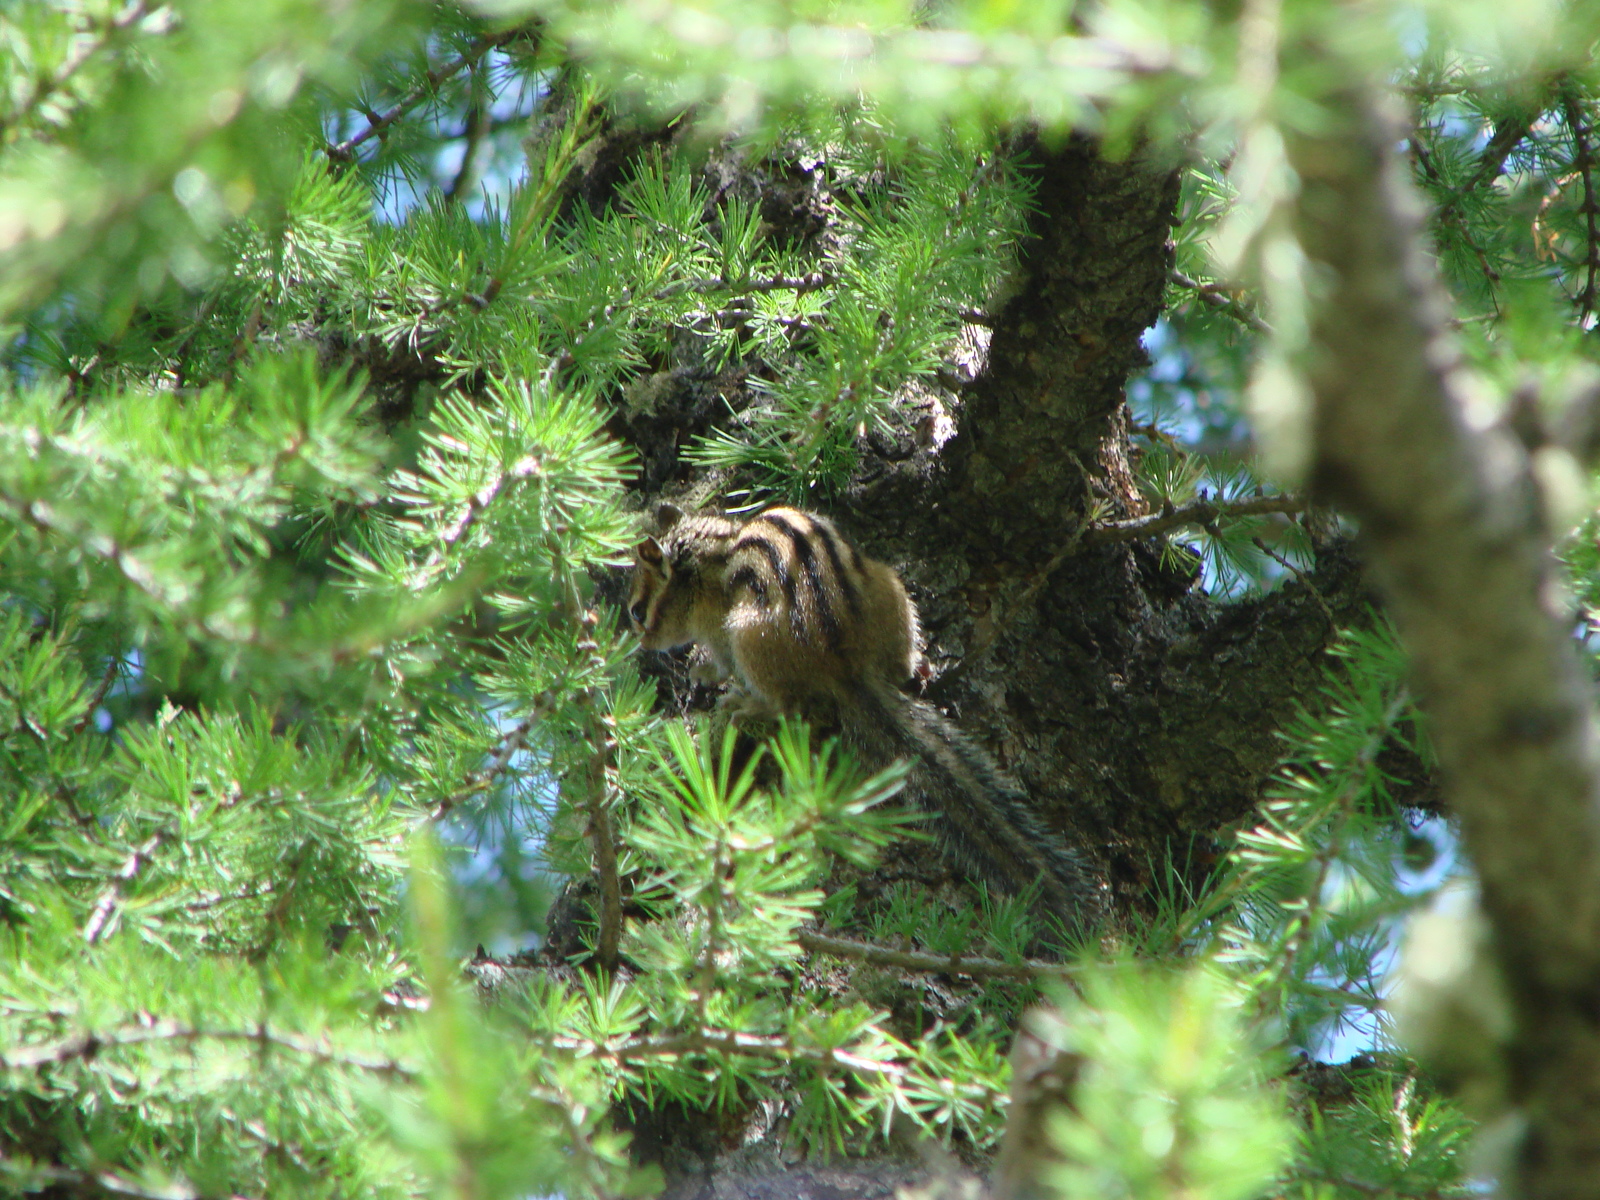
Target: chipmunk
(808, 625)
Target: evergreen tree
(345, 348)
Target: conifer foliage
(336, 341)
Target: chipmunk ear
(649, 552)
(667, 515)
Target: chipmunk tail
(984, 820)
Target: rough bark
(1451, 526)
(1140, 712)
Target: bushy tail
(983, 818)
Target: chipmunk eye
(638, 613)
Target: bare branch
(1312, 590)
(941, 964)
(513, 740)
(95, 1183)
(600, 789)
(1221, 299)
(1583, 165)
(100, 918)
(799, 284)
(86, 1045)
(1197, 512)
(89, 43)
(1449, 518)
(344, 152)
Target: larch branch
(1449, 518)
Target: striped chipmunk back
(806, 624)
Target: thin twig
(1302, 576)
(799, 284)
(100, 918)
(985, 640)
(86, 1045)
(344, 152)
(1583, 163)
(91, 42)
(1219, 298)
(99, 1183)
(1090, 532)
(1155, 433)
(942, 964)
(600, 788)
(725, 1041)
(480, 119)
(1449, 214)
(1196, 512)
(99, 693)
(510, 742)
(526, 467)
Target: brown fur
(806, 624)
(782, 602)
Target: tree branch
(86, 1045)
(90, 43)
(600, 784)
(1583, 164)
(1197, 512)
(799, 284)
(510, 742)
(1449, 518)
(96, 1183)
(100, 918)
(377, 123)
(527, 467)
(95, 698)
(1219, 298)
(941, 964)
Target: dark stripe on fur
(986, 823)
(800, 543)
(748, 577)
(775, 560)
(847, 581)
